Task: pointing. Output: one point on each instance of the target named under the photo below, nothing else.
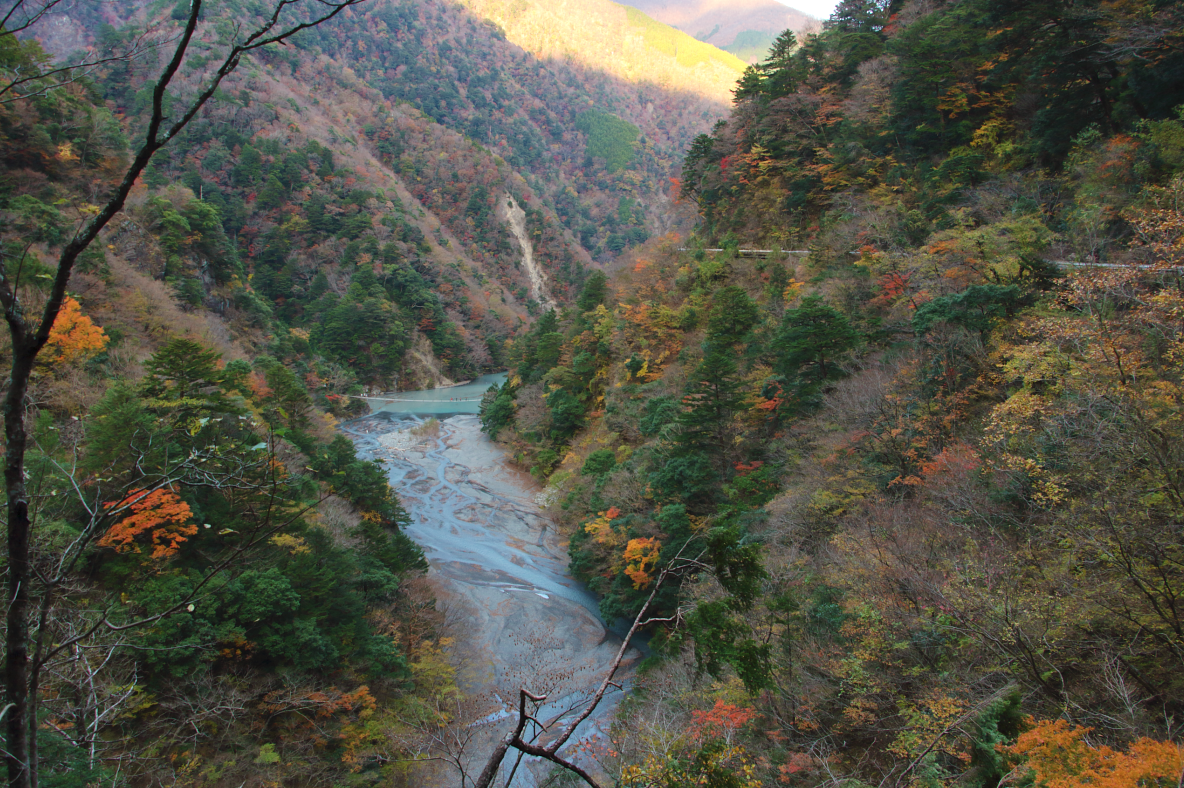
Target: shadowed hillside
(432, 116)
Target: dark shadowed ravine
(498, 561)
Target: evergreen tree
(712, 399)
(567, 414)
(320, 221)
(776, 76)
(273, 194)
(811, 339)
(289, 400)
(751, 85)
(593, 293)
(183, 377)
(550, 345)
(976, 308)
(249, 169)
(497, 409)
(210, 241)
(733, 315)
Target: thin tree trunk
(16, 665)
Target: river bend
(499, 565)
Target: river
(498, 562)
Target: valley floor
(501, 571)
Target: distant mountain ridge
(615, 39)
(746, 28)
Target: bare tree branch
(44, 82)
(30, 19)
(550, 752)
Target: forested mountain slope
(436, 117)
(953, 442)
(459, 69)
(920, 488)
(178, 465)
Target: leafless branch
(29, 19)
(44, 81)
(551, 752)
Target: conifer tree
(811, 340)
(594, 292)
(272, 195)
(703, 449)
(184, 376)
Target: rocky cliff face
(512, 213)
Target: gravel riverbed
(500, 563)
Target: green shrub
(599, 462)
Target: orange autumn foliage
(260, 391)
(653, 331)
(1060, 757)
(641, 556)
(317, 703)
(161, 514)
(722, 721)
(956, 460)
(74, 337)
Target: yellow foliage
(934, 718)
(791, 290)
(1020, 415)
(654, 332)
(1012, 427)
(1036, 364)
(732, 761)
(293, 544)
(601, 529)
(432, 670)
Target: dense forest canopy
(392, 134)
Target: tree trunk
(16, 667)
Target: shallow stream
(500, 564)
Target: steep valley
(498, 563)
(365, 386)
(432, 115)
